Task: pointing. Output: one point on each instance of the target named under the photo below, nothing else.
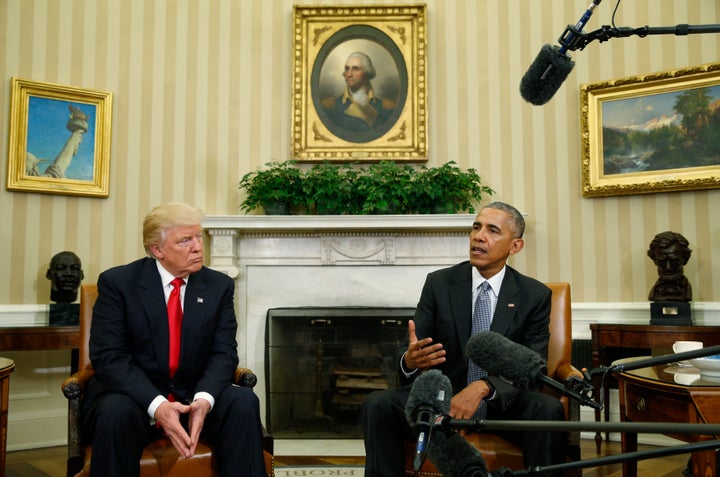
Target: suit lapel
(193, 315)
(507, 304)
(461, 303)
(152, 299)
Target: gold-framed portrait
(59, 139)
(651, 133)
(359, 83)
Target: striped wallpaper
(202, 96)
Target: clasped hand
(168, 416)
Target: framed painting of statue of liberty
(59, 139)
(652, 133)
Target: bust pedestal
(675, 313)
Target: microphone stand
(614, 459)
(574, 39)
(447, 423)
(654, 361)
(579, 389)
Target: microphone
(497, 355)
(428, 402)
(429, 397)
(456, 457)
(522, 367)
(552, 65)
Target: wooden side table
(649, 337)
(40, 338)
(6, 367)
(658, 394)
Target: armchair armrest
(74, 386)
(565, 370)
(245, 377)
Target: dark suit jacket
(129, 335)
(444, 313)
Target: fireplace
(281, 262)
(321, 364)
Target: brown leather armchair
(497, 451)
(159, 458)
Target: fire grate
(322, 362)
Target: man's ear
(157, 253)
(516, 246)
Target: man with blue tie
(476, 295)
(162, 344)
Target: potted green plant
(386, 188)
(329, 189)
(277, 188)
(447, 189)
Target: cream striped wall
(202, 96)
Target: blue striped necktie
(482, 316)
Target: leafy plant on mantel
(277, 188)
(386, 187)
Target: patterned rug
(319, 471)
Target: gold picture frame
(59, 139)
(327, 125)
(651, 133)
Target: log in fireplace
(322, 362)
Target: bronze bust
(65, 275)
(670, 252)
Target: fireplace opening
(321, 364)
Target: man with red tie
(162, 344)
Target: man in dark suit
(520, 309)
(136, 394)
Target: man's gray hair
(366, 62)
(517, 221)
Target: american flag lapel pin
(511, 305)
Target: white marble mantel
(293, 261)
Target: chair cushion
(160, 459)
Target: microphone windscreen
(545, 75)
(500, 356)
(432, 392)
(454, 456)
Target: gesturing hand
(422, 354)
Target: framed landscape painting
(653, 133)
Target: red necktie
(175, 314)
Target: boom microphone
(429, 397)
(552, 65)
(497, 355)
(429, 400)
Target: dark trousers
(385, 430)
(120, 430)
